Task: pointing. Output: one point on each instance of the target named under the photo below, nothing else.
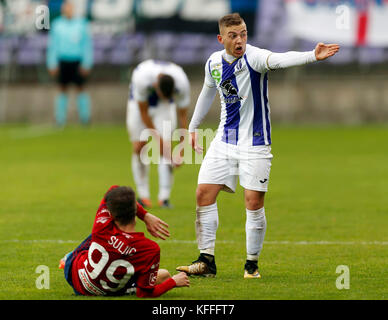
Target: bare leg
(207, 194)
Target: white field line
(284, 242)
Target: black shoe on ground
(251, 270)
(204, 266)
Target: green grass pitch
(327, 206)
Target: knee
(203, 198)
(163, 275)
(254, 203)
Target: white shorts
(163, 116)
(225, 163)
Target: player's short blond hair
(232, 19)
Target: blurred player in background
(69, 60)
(117, 260)
(242, 146)
(159, 93)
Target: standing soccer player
(117, 260)
(159, 94)
(242, 147)
(69, 60)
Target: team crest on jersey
(152, 280)
(240, 67)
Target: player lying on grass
(117, 260)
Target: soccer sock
(61, 101)
(255, 227)
(165, 181)
(83, 104)
(206, 225)
(140, 173)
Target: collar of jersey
(228, 55)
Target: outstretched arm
(293, 58)
(324, 51)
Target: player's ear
(220, 39)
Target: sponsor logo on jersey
(102, 220)
(88, 285)
(216, 74)
(230, 92)
(228, 88)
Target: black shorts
(69, 73)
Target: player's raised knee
(163, 275)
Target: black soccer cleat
(251, 270)
(204, 266)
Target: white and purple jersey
(242, 84)
(146, 75)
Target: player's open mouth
(239, 50)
